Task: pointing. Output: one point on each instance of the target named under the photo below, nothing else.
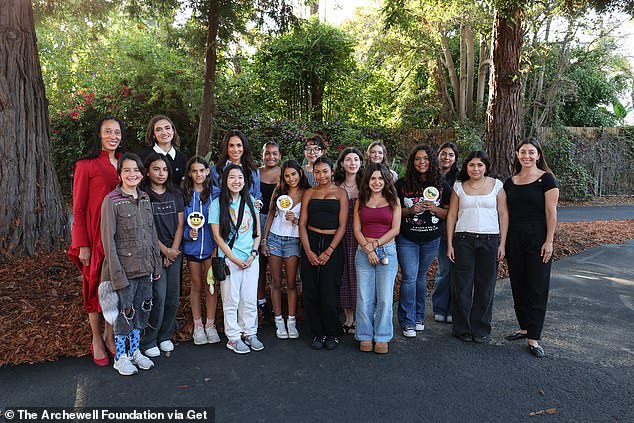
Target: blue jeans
(375, 295)
(441, 298)
(415, 259)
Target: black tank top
(267, 193)
(323, 213)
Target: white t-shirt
(478, 214)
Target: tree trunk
(468, 39)
(462, 106)
(32, 213)
(503, 117)
(205, 126)
(451, 69)
(483, 70)
(314, 8)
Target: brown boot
(380, 348)
(365, 346)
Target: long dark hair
(188, 185)
(415, 181)
(453, 171)
(340, 172)
(541, 163)
(389, 192)
(463, 175)
(225, 203)
(247, 162)
(147, 183)
(95, 149)
(129, 156)
(150, 139)
(282, 187)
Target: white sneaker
(124, 366)
(142, 361)
(419, 327)
(449, 318)
(212, 335)
(409, 332)
(292, 329)
(253, 342)
(200, 338)
(280, 332)
(166, 346)
(153, 352)
(440, 318)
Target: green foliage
(576, 182)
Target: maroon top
(376, 222)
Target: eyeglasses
(312, 149)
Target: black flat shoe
(516, 336)
(318, 342)
(482, 339)
(465, 337)
(536, 351)
(331, 342)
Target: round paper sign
(284, 203)
(431, 193)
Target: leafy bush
(576, 181)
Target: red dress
(93, 180)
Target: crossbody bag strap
(238, 223)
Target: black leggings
(320, 286)
(530, 276)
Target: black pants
(320, 287)
(473, 282)
(530, 276)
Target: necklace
(484, 181)
(353, 186)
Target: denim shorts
(283, 246)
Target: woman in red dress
(95, 176)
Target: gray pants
(135, 303)
(165, 298)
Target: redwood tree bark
(205, 126)
(32, 212)
(503, 117)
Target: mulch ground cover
(42, 316)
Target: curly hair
(415, 181)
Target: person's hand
(156, 277)
(249, 261)
(312, 258)
(418, 208)
(166, 261)
(546, 251)
(84, 255)
(290, 216)
(373, 258)
(501, 252)
(451, 254)
(258, 204)
(172, 254)
(428, 206)
(323, 258)
(241, 264)
(368, 247)
(264, 249)
(193, 233)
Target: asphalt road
(585, 213)
(587, 375)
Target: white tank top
(283, 227)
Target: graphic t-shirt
(424, 226)
(165, 208)
(243, 244)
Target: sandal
(348, 329)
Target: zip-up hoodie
(202, 247)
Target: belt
(471, 235)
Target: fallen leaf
(551, 411)
(183, 387)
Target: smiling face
(446, 158)
(323, 173)
(376, 154)
(110, 134)
(271, 156)
(130, 175)
(158, 172)
(528, 155)
(164, 134)
(312, 152)
(421, 162)
(376, 182)
(351, 163)
(198, 172)
(235, 181)
(235, 149)
(476, 169)
(291, 177)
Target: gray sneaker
(212, 335)
(280, 330)
(449, 318)
(292, 329)
(238, 347)
(141, 361)
(124, 366)
(200, 338)
(409, 332)
(253, 342)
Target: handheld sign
(196, 220)
(431, 193)
(284, 203)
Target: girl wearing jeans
(377, 219)
(239, 290)
(132, 261)
(476, 235)
(424, 197)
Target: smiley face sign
(431, 193)
(196, 220)
(284, 203)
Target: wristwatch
(256, 253)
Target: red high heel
(102, 362)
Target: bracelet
(330, 246)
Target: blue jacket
(204, 245)
(254, 189)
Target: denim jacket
(129, 238)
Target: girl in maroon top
(95, 176)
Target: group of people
(343, 228)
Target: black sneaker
(331, 343)
(265, 312)
(318, 342)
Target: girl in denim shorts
(281, 245)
